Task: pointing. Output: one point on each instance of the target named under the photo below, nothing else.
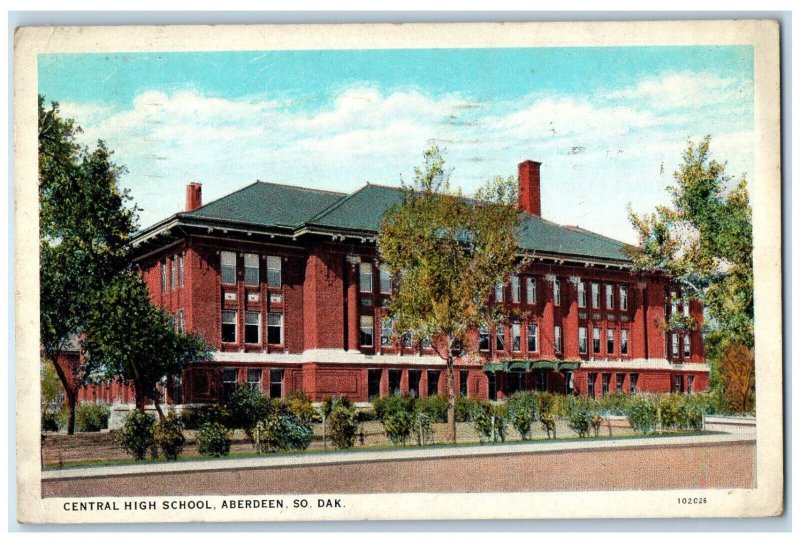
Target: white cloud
(599, 152)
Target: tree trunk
(158, 408)
(451, 401)
(65, 374)
(139, 394)
(71, 404)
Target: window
(483, 338)
(557, 292)
(492, 385)
(174, 277)
(610, 341)
(674, 339)
(228, 326)
(634, 382)
(275, 328)
(365, 274)
(365, 337)
(557, 339)
(252, 327)
(180, 322)
(275, 383)
(414, 377)
(274, 278)
(181, 273)
(606, 383)
(623, 342)
(163, 276)
(623, 298)
(433, 382)
(386, 281)
(500, 337)
(569, 383)
(498, 292)
(516, 293)
(374, 382)
(581, 294)
(230, 381)
(687, 346)
(620, 383)
(426, 343)
(686, 308)
(407, 340)
(516, 337)
(583, 340)
(533, 338)
(531, 290)
(251, 269)
(394, 382)
(254, 378)
(590, 384)
(595, 294)
(227, 268)
(678, 384)
(387, 329)
(515, 380)
(689, 384)
(673, 302)
(596, 340)
(462, 382)
(609, 296)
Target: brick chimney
(194, 196)
(530, 198)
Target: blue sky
(608, 124)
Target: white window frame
(248, 316)
(225, 258)
(674, 341)
(274, 267)
(163, 276)
(499, 294)
(181, 270)
(235, 323)
(581, 294)
(387, 324)
(362, 327)
(483, 333)
(516, 337)
(531, 294)
(255, 384)
(280, 326)
(583, 340)
(623, 341)
(173, 262)
(557, 339)
(364, 277)
(249, 260)
(687, 346)
(556, 292)
(596, 345)
(595, 295)
(609, 296)
(535, 328)
(610, 340)
(385, 281)
(516, 291)
(500, 337)
(623, 298)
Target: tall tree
(84, 227)
(130, 339)
(448, 253)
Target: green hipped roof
(270, 204)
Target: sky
(609, 125)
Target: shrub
(282, 431)
(466, 408)
(246, 406)
(433, 407)
(136, 434)
(91, 417)
(546, 404)
(642, 413)
(393, 404)
(365, 415)
(299, 404)
(214, 439)
(596, 421)
(168, 435)
(613, 404)
(341, 420)
(490, 422)
(522, 411)
(193, 418)
(548, 422)
(580, 420)
(397, 425)
(423, 429)
(52, 421)
(673, 412)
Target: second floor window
(531, 290)
(180, 322)
(365, 275)
(596, 340)
(181, 273)
(387, 329)
(515, 289)
(674, 339)
(609, 296)
(557, 342)
(533, 338)
(251, 269)
(274, 278)
(386, 281)
(227, 268)
(483, 338)
(252, 327)
(228, 326)
(275, 328)
(163, 276)
(500, 337)
(623, 342)
(610, 341)
(581, 294)
(366, 330)
(623, 298)
(595, 295)
(498, 292)
(516, 337)
(557, 292)
(174, 263)
(687, 346)
(583, 340)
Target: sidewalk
(744, 435)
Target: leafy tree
(738, 371)
(448, 253)
(130, 339)
(704, 241)
(84, 226)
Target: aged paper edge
(765, 183)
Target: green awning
(494, 367)
(544, 365)
(568, 366)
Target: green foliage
(423, 428)
(580, 420)
(299, 404)
(52, 389)
(433, 407)
(52, 421)
(246, 406)
(329, 405)
(642, 412)
(465, 408)
(704, 241)
(136, 434)
(192, 418)
(680, 412)
(133, 340)
(343, 424)
(281, 430)
(91, 417)
(490, 422)
(214, 439)
(393, 404)
(522, 412)
(397, 425)
(168, 435)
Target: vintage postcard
(375, 272)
